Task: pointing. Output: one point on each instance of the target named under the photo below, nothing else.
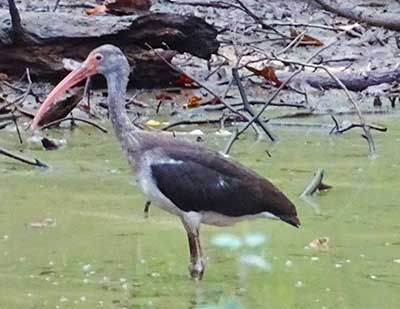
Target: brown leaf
(267, 73)
(97, 9)
(320, 243)
(193, 101)
(306, 38)
(3, 77)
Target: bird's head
(107, 60)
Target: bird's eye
(99, 57)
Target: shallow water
(100, 251)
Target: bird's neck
(123, 127)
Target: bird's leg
(146, 209)
(199, 263)
(196, 266)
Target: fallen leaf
(184, 80)
(193, 101)
(47, 222)
(268, 73)
(152, 123)
(3, 77)
(320, 243)
(97, 9)
(306, 38)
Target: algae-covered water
(74, 235)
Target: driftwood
(345, 9)
(355, 81)
(55, 36)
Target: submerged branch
(315, 184)
(34, 162)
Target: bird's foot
(196, 270)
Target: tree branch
(388, 21)
(34, 162)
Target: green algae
(102, 252)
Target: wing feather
(205, 181)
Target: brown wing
(197, 179)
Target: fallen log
(56, 36)
(348, 10)
(354, 81)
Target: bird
(188, 180)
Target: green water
(103, 253)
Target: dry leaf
(47, 222)
(306, 38)
(320, 243)
(97, 9)
(152, 123)
(193, 101)
(3, 77)
(268, 73)
(184, 80)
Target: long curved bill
(87, 69)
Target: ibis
(188, 180)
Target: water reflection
(231, 241)
(256, 260)
(212, 297)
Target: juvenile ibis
(194, 183)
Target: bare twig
(86, 91)
(283, 85)
(366, 128)
(56, 5)
(247, 106)
(337, 130)
(233, 138)
(195, 122)
(17, 127)
(211, 4)
(388, 20)
(34, 162)
(209, 90)
(257, 19)
(102, 129)
(217, 107)
(23, 96)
